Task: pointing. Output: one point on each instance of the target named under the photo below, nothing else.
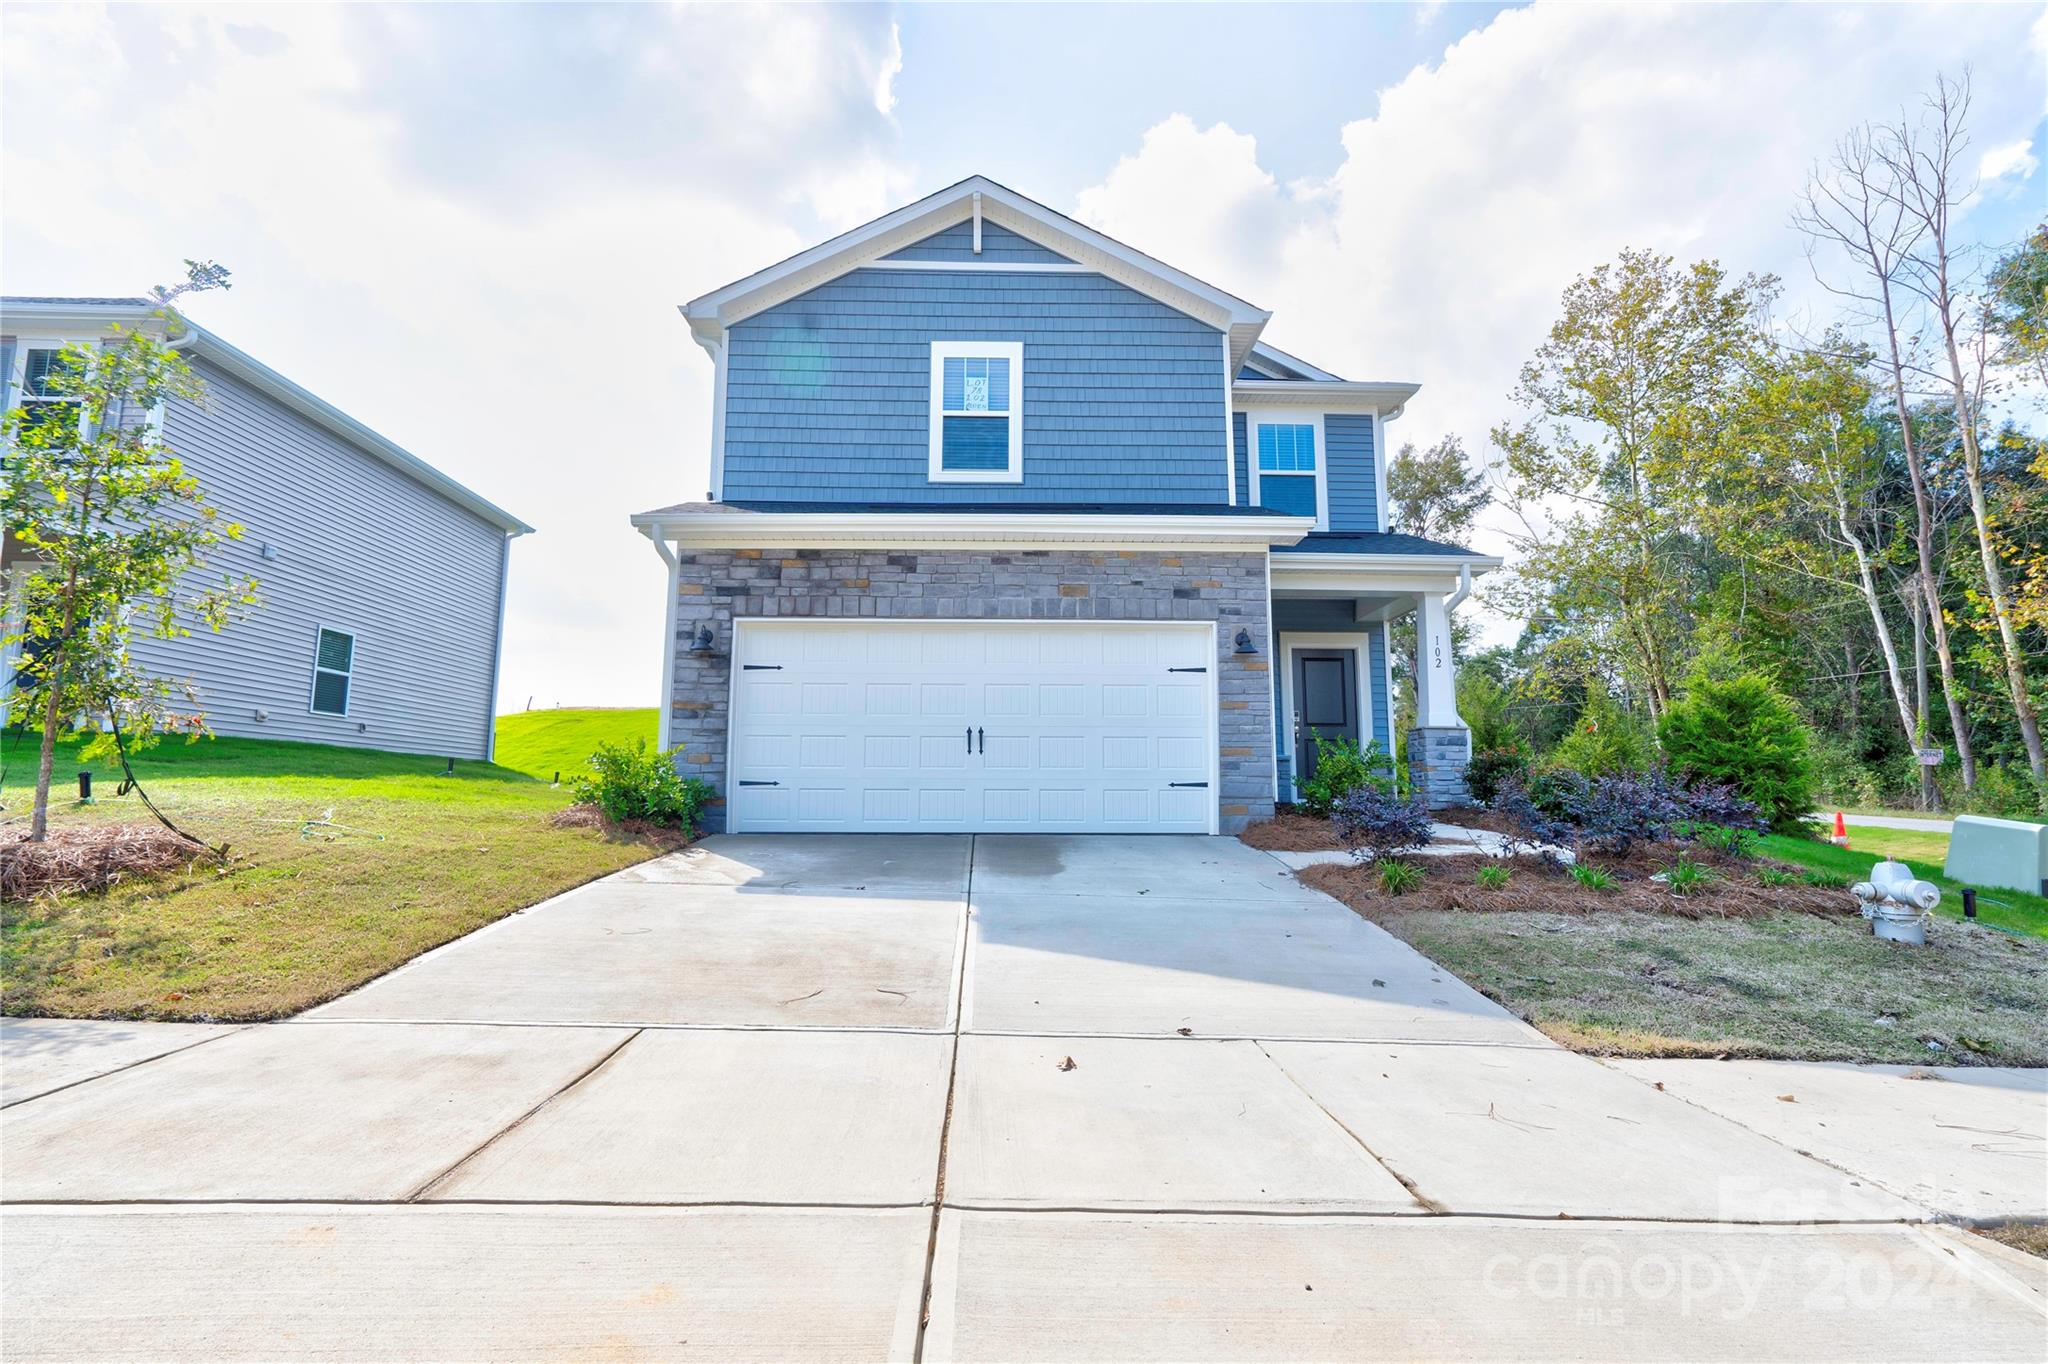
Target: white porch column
(1439, 747)
(1436, 673)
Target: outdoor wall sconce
(702, 643)
(1244, 642)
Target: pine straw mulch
(1293, 830)
(665, 837)
(1537, 886)
(86, 858)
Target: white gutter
(754, 528)
(1466, 564)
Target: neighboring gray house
(382, 580)
(1014, 528)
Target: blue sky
(469, 225)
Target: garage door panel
(1055, 728)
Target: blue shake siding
(828, 395)
(1354, 504)
(997, 244)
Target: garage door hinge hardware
(760, 667)
(1202, 784)
(777, 783)
(1187, 670)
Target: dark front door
(1325, 701)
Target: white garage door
(1038, 727)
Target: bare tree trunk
(1924, 185)
(1858, 209)
(1866, 578)
(1916, 611)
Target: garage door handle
(760, 783)
(970, 738)
(1187, 670)
(760, 667)
(1202, 784)
(981, 736)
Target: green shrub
(1591, 877)
(1842, 780)
(1494, 877)
(1776, 877)
(1604, 739)
(1341, 768)
(1740, 732)
(1397, 876)
(639, 783)
(2004, 790)
(1483, 704)
(1685, 876)
(1490, 767)
(1732, 842)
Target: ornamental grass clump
(1397, 876)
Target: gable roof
(710, 314)
(79, 316)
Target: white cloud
(2014, 161)
(425, 232)
(885, 80)
(1536, 148)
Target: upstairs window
(977, 412)
(1287, 473)
(334, 664)
(40, 381)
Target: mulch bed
(1537, 886)
(84, 858)
(1293, 830)
(662, 836)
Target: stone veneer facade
(715, 586)
(1437, 759)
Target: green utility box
(1999, 852)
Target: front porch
(1335, 600)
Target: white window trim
(17, 376)
(1280, 416)
(313, 687)
(1293, 641)
(942, 351)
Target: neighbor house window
(977, 412)
(1286, 467)
(334, 662)
(43, 367)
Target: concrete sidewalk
(1082, 1098)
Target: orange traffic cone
(1841, 838)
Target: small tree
(109, 524)
(1604, 740)
(1739, 732)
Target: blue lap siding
(1354, 504)
(997, 244)
(828, 395)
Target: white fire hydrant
(1897, 903)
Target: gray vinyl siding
(1353, 480)
(361, 548)
(828, 395)
(956, 243)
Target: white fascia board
(810, 530)
(712, 313)
(1309, 561)
(1372, 574)
(1323, 395)
(246, 367)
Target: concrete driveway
(944, 1098)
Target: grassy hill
(541, 743)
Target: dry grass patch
(2031, 1237)
(1796, 986)
(83, 858)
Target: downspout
(1464, 589)
(497, 653)
(668, 637)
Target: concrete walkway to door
(976, 1098)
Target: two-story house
(381, 580)
(1014, 528)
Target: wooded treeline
(1855, 507)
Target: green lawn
(541, 743)
(301, 913)
(1925, 853)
